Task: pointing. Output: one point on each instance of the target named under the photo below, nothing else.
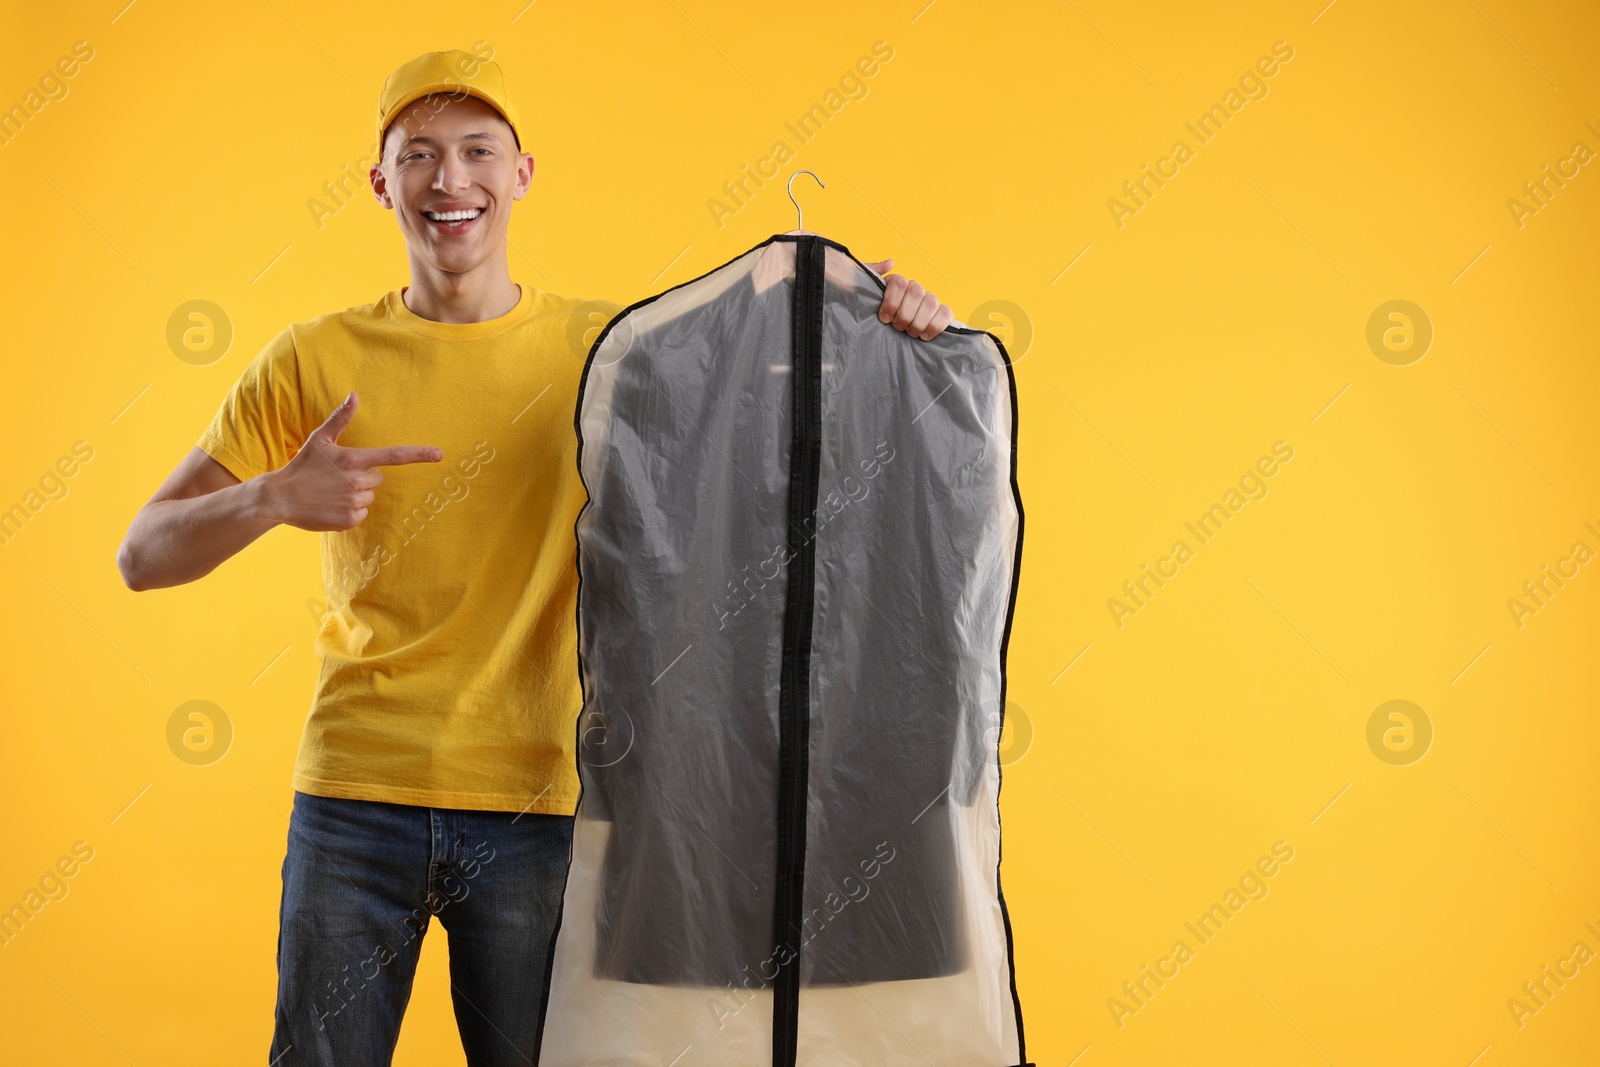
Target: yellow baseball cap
(452, 72)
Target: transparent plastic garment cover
(797, 568)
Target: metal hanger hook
(799, 216)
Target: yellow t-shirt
(449, 647)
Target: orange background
(1159, 353)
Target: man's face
(450, 171)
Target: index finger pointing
(397, 454)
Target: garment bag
(797, 567)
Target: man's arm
(202, 514)
(199, 517)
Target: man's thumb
(329, 431)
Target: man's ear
(524, 175)
(380, 186)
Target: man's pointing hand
(328, 486)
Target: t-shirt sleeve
(259, 426)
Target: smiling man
(428, 437)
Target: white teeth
(453, 216)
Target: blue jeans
(361, 881)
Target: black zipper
(794, 688)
